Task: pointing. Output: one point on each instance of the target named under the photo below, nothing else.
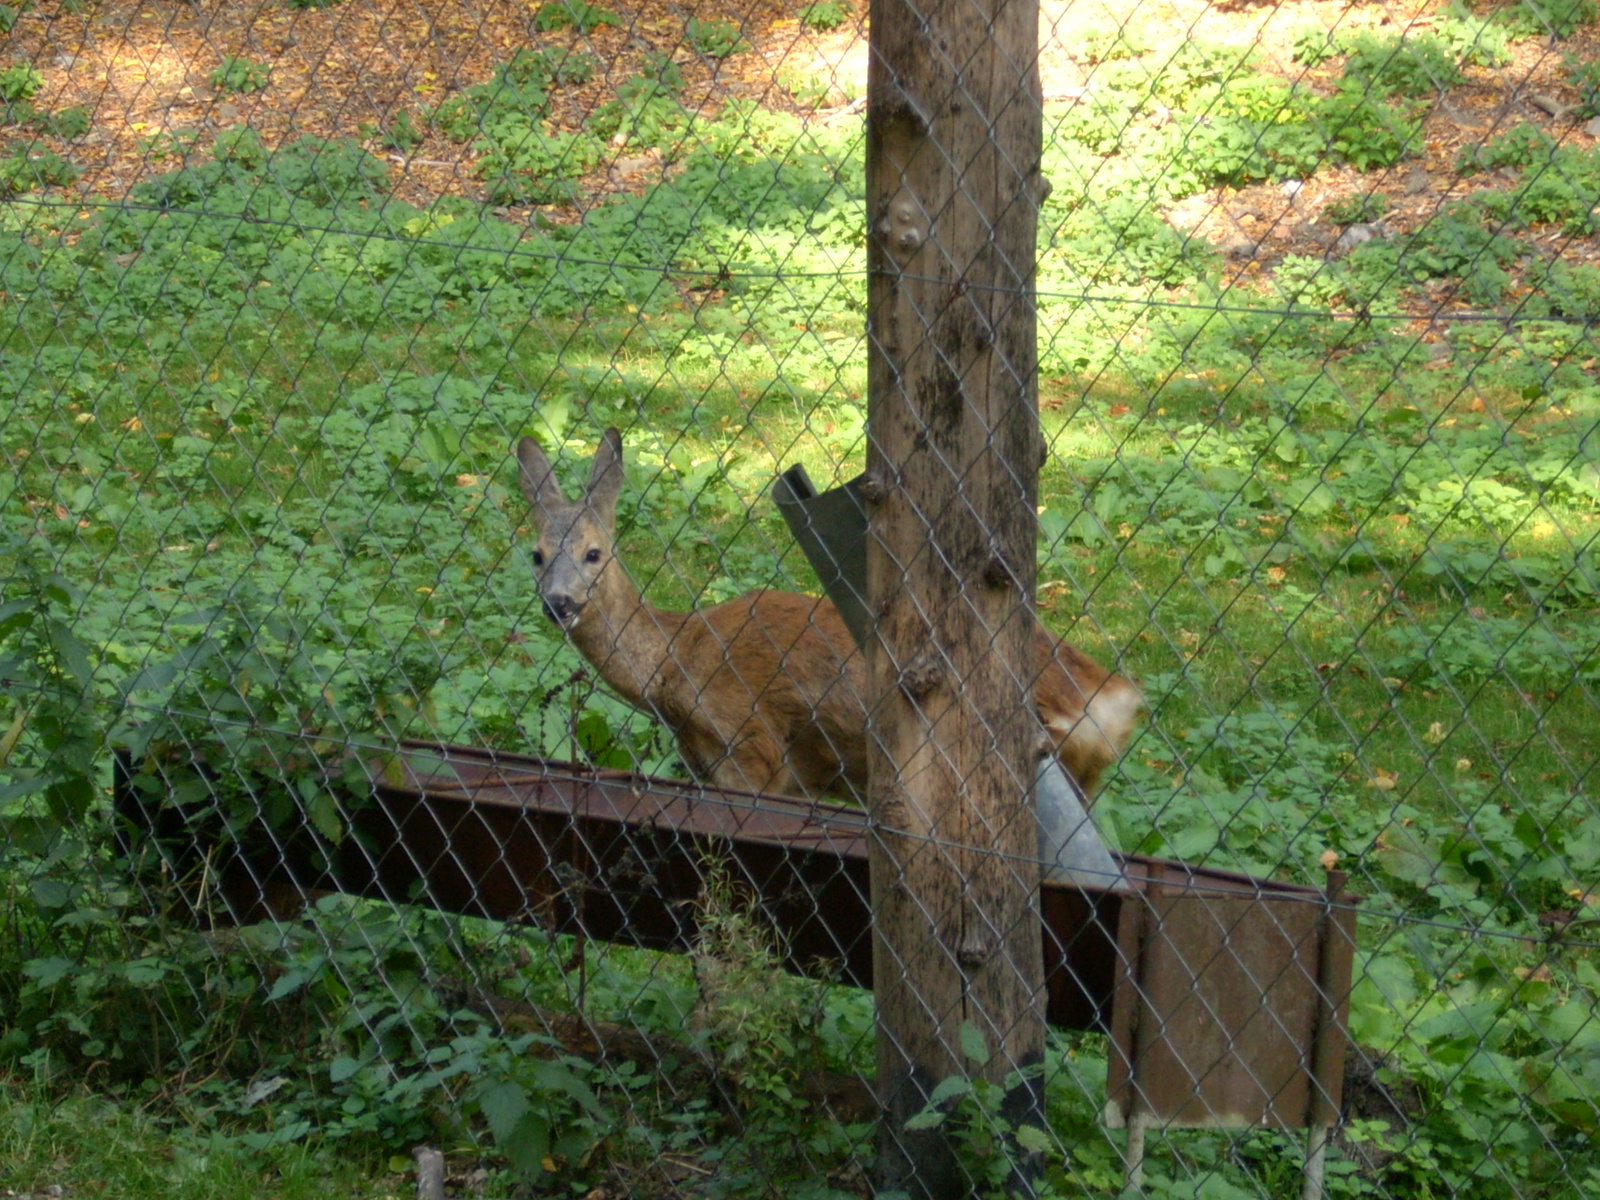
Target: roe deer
(766, 692)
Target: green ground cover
(261, 505)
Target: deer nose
(563, 610)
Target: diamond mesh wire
(343, 799)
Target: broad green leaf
(1031, 1137)
(74, 655)
(51, 893)
(342, 1068)
(557, 1077)
(946, 1089)
(503, 1103)
(48, 971)
(289, 982)
(323, 810)
(973, 1044)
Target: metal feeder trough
(1224, 995)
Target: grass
(91, 1145)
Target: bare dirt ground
(144, 70)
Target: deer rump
(766, 692)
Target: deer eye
(593, 556)
(538, 559)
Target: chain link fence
(363, 781)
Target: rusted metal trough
(1224, 995)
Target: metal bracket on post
(831, 528)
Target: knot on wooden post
(973, 955)
(922, 675)
(903, 227)
(997, 573)
(872, 488)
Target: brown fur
(765, 692)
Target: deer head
(576, 553)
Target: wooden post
(953, 189)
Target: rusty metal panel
(1224, 994)
(1229, 1008)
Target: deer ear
(538, 478)
(605, 475)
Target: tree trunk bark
(953, 189)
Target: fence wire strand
(423, 723)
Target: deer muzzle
(563, 610)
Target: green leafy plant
(1413, 65)
(241, 75)
(1583, 76)
(1546, 18)
(19, 82)
(1523, 145)
(404, 133)
(51, 743)
(524, 164)
(825, 14)
(517, 93)
(327, 172)
(990, 1145)
(1368, 132)
(569, 66)
(1480, 41)
(1314, 45)
(1561, 184)
(1572, 289)
(573, 14)
(808, 90)
(715, 38)
(177, 144)
(242, 146)
(1111, 45)
(68, 124)
(1360, 207)
(25, 172)
(252, 687)
(647, 108)
(767, 1032)
(523, 159)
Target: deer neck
(628, 641)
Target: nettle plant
(241, 75)
(715, 39)
(573, 14)
(824, 15)
(522, 158)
